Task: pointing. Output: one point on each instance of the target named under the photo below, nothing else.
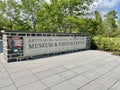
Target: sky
(104, 6)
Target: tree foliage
(68, 16)
(110, 22)
(37, 15)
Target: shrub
(116, 53)
(106, 43)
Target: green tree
(98, 20)
(110, 22)
(50, 17)
(88, 25)
(30, 10)
(37, 15)
(118, 23)
(97, 16)
(62, 15)
(9, 12)
(3, 21)
(74, 8)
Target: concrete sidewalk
(86, 70)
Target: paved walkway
(86, 70)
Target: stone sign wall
(20, 46)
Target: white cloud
(104, 6)
(47, 1)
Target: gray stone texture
(86, 70)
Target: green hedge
(106, 43)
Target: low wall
(20, 46)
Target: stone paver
(25, 80)
(86, 70)
(53, 80)
(68, 74)
(116, 86)
(44, 74)
(5, 81)
(93, 86)
(9, 87)
(90, 75)
(79, 81)
(64, 86)
(20, 74)
(34, 86)
(106, 82)
(16, 69)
